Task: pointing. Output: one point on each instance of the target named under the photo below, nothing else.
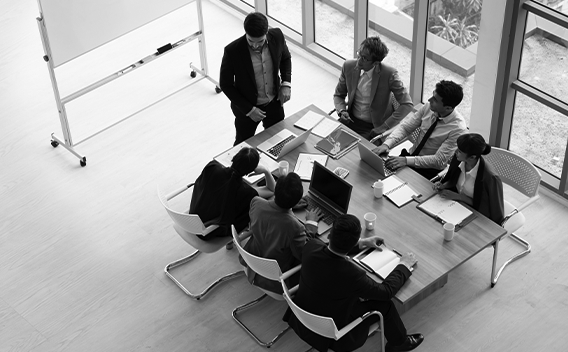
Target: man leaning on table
(367, 83)
(332, 285)
(440, 126)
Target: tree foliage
(456, 21)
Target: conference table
(407, 229)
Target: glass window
(334, 26)
(287, 12)
(393, 22)
(539, 134)
(544, 60)
(248, 2)
(558, 5)
(453, 27)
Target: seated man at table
(332, 285)
(276, 232)
(440, 126)
(368, 84)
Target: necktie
(426, 136)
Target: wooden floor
(82, 250)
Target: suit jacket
(331, 286)
(385, 80)
(236, 78)
(487, 192)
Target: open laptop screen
(330, 188)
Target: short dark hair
(256, 24)
(345, 233)
(288, 190)
(377, 49)
(450, 92)
(473, 144)
(245, 161)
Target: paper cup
(449, 231)
(283, 168)
(370, 219)
(378, 189)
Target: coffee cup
(283, 168)
(449, 231)
(378, 189)
(370, 219)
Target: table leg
(494, 266)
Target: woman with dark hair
(222, 197)
(471, 180)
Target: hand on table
(314, 215)
(381, 150)
(445, 193)
(408, 259)
(372, 242)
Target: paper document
(381, 263)
(309, 120)
(325, 127)
(395, 151)
(397, 191)
(445, 209)
(305, 164)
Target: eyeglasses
(364, 59)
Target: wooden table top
(407, 229)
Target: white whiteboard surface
(75, 27)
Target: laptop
(282, 143)
(328, 192)
(376, 162)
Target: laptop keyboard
(389, 171)
(328, 217)
(278, 147)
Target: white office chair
(268, 268)
(188, 226)
(325, 326)
(524, 177)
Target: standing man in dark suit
(332, 285)
(249, 76)
(367, 84)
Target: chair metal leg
(495, 277)
(185, 260)
(249, 305)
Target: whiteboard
(75, 27)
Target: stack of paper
(322, 125)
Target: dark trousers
(246, 127)
(363, 128)
(425, 172)
(395, 331)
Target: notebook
(338, 143)
(377, 262)
(305, 164)
(446, 210)
(321, 125)
(226, 158)
(376, 162)
(328, 192)
(398, 191)
(282, 143)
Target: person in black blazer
(332, 285)
(471, 180)
(250, 76)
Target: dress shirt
(262, 66)
(441, 145)
(466, 180)
(362, 101)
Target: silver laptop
(376, 162)
(328, 192)
(283, 143)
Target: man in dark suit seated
(332, 285)
(249, 76)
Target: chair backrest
(323, 326)
(188, 222)
(515, 171)
(268, 268)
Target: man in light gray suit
(367, 83)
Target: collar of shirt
(472, 172)
(447, 118)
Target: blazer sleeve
(285, 64)
(232, 70)
(341, 91)
(492, 201)
(368, 288)
(401, 95)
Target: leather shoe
(411, 342)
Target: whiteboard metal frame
(67, 141)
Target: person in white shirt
(440, 126)
(367, 83)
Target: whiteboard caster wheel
(193, 74)
(54, 144)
